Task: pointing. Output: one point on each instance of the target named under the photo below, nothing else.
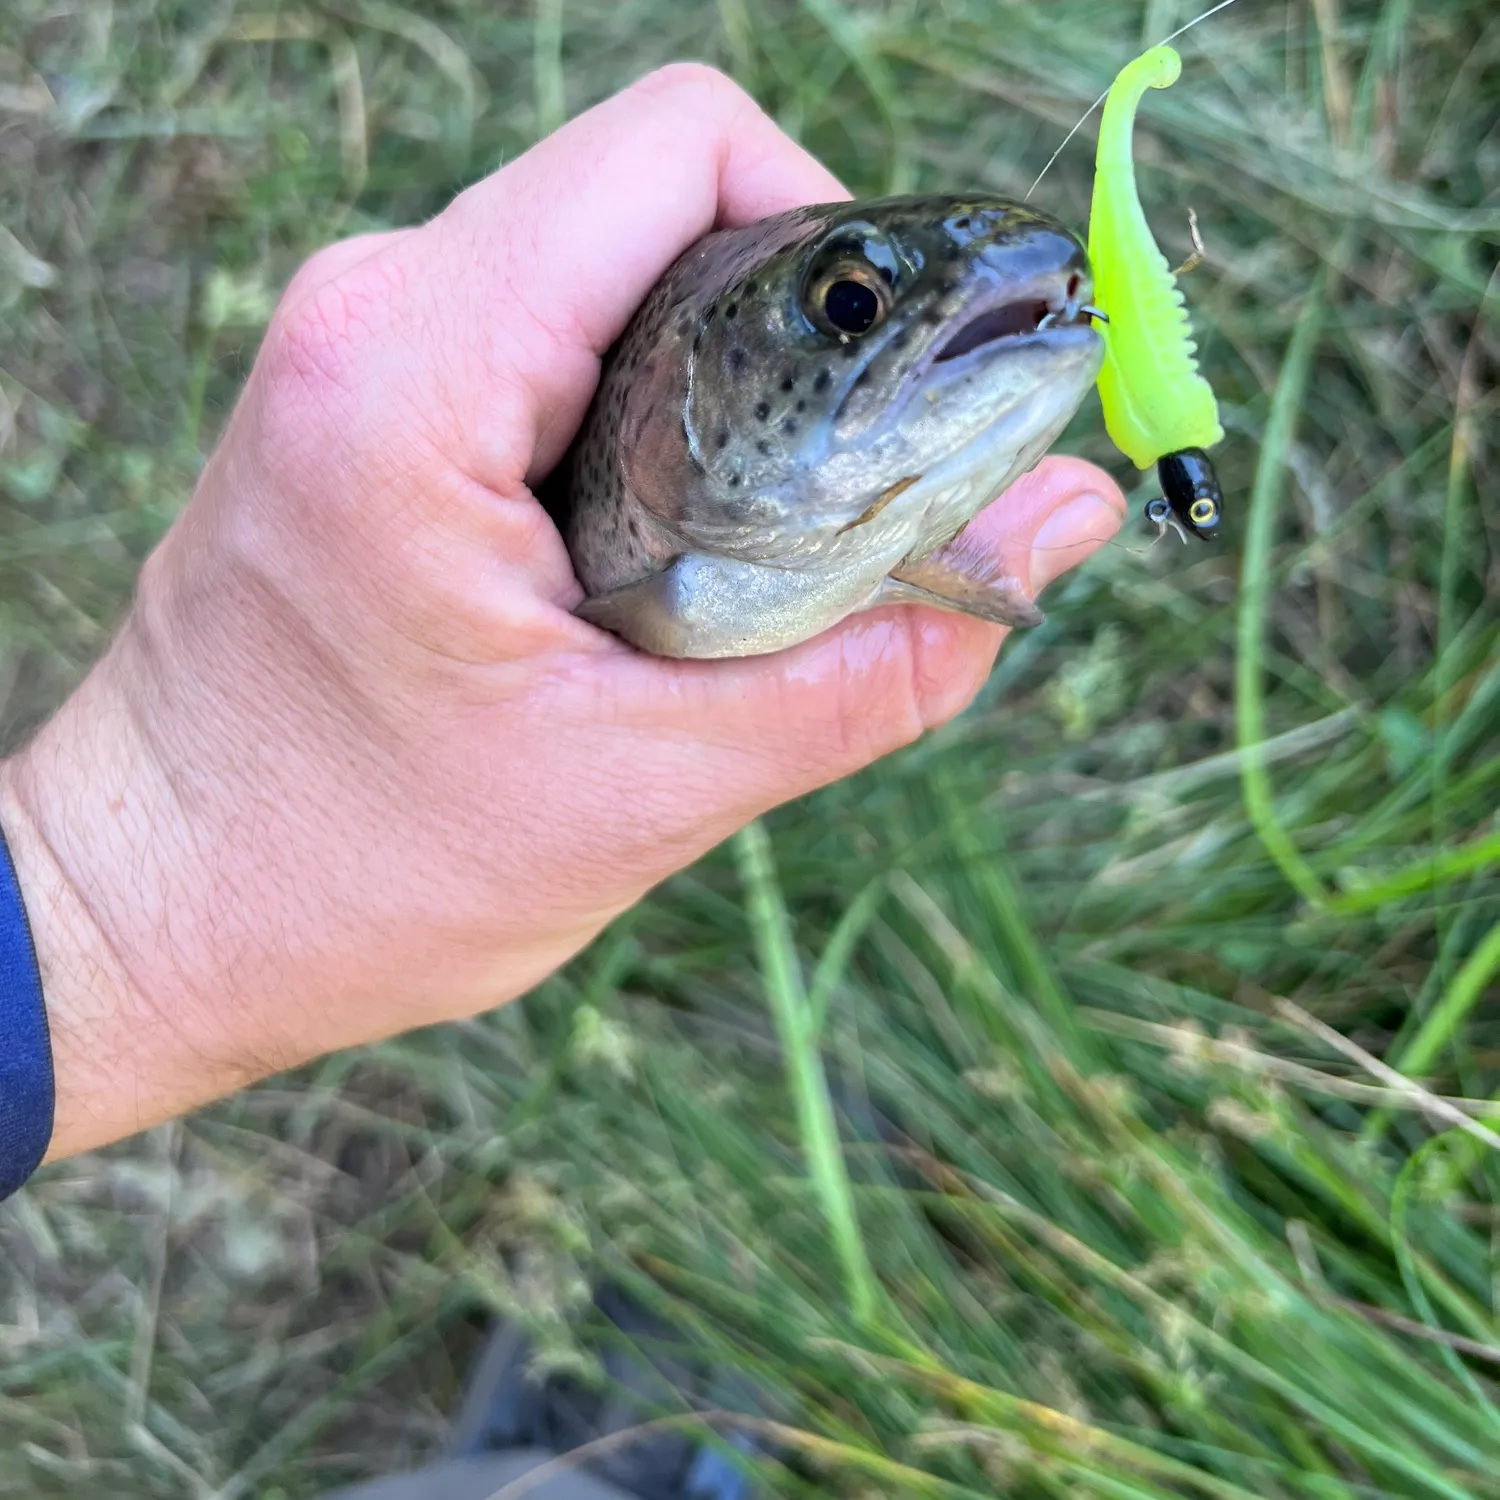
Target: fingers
(582, 226)
(805, 717)
(1048, 521)
(544, 262)
(480, 333)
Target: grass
(1118, 1210)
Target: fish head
(873, 345)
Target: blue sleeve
(26, 1095)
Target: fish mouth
(1041, 317)
(1022, 317)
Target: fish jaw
(1045, 382)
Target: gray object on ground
(482, 1476)
(510, 1425)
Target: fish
(805, 412)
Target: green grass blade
(1450, 1014)
(1255, 576)
(839, 949)
(1422, 875)
(796, 1029)
(546, 66)
(1406, 1183)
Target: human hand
(351, 765)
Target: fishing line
(1083, 120)
(1114, 542)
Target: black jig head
(1192, 500)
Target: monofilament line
(1083, 118)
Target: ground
(1128, 1220)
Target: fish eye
(848, 299)
(851, 281)
(1203, 512)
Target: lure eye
(1203, 512)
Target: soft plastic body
(1155, 401)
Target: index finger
(582, 225)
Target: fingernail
(1069, 534)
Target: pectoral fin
(701, 606)
(966, 577)
(654, 614)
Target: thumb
(788, 723)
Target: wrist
(95, 836)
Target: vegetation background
(1155, 998)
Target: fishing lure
(1158, 409)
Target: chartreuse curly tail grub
(1157, 408)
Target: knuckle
(692, 87)
(333, 316)
(873, 724)
(948, 659)
(862, 701)
(311, 342)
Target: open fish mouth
(1020, 318)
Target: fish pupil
(851, 307)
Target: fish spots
(802, 406)
(734, 481)
(762, 409)
(789, 426)
(732, 310)
(762, 446)
(738, 359)
(789, 382)
(821, 381)
(721, 438)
